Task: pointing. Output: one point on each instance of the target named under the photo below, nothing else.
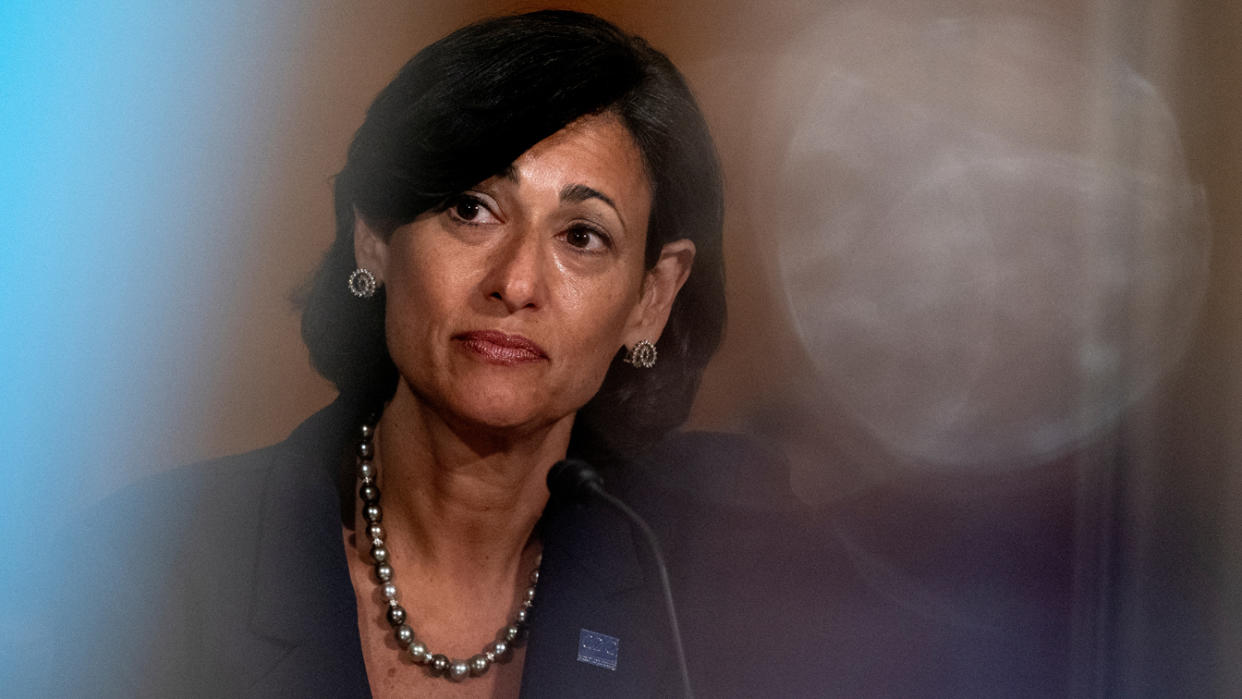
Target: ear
(660, 287)
(370, 248)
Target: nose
(516, 274)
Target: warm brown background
(325, 68)
(341, 58)
(310, 78)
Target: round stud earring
(642, 355)
(362, 283)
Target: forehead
(595, 150)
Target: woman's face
(506, 309)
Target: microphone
(574, 480)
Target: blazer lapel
(303, 594)
(595, 579)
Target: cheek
(417, 301)
(408, 303)
(420, 292)
(602, 315)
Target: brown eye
(471, 209)
(466, 208)
(579, 238)
(587, 239)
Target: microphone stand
(575, 480)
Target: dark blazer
(229, 578)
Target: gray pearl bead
(404, 634)
(364, 450)
(375, 531)
(366, 431)
(372, 514)
(510, 633)
(498, 650)
(534, 576)
(396, 614)
(479, 664)
(379, 554)
(389, 591)
(439, 663)
(458, 669)
(383, 571)
(366, 469)
(530, 594)
(418, 651)
(369, 493)
(521, 615)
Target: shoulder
(745, 572)
(180, 493)
(199, 502)
(717, 500)
(226, 486)
(716, 469)
(153, 566)
(925, 587)
(185, 508)
(167, 590)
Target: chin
(489, 403)
(503, 412)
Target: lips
(501, 348)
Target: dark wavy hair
(461, 111)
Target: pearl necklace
(438, 664)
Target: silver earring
(362, 283)
(642, 355)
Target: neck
(459, 501)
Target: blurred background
(983, 259)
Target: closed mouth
(500, 347)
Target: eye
(587, 238)
(470, 209)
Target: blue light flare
(123, 130)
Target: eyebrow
(572, 193)
(581, 192)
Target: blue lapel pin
(598, 649)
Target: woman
(517, 221)
(528, 212)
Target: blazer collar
(595, 580)
(597, 540)
(301, 573)
(595, 577)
